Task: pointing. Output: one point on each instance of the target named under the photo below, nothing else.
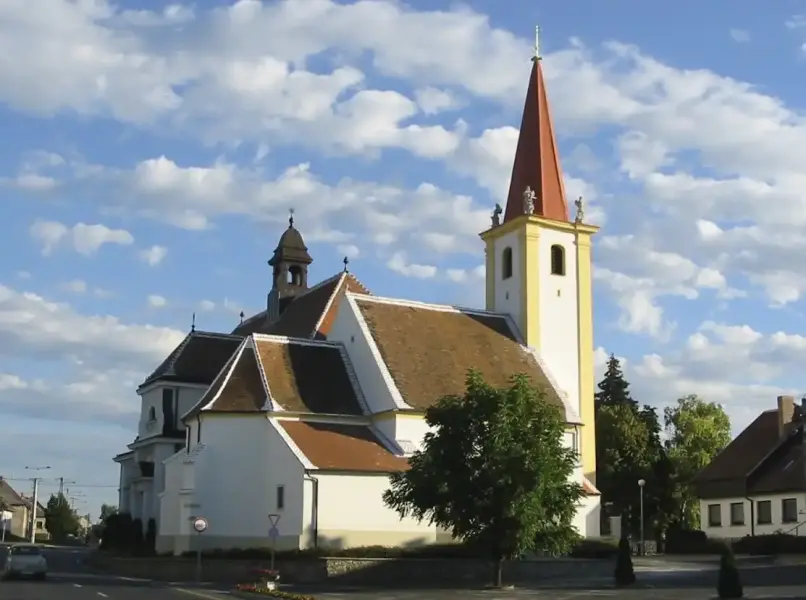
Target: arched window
(557, 260)
(507, 263)
(152, 414)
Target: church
(290, 425)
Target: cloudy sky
(148, 161)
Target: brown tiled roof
(782, 472)
(306, 376)
(342, 447)
(447, 344)
(242, 390)
(198, 359)
(211, 392)
(726, 474)
(309, 314)
(589, 488)
(8, 495)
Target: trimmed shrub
(428, 551)
(766, 545)
(729, 584)
(624, 572)
(592, 548)
(691, 541)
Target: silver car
(25, 560)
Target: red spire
(537, 161)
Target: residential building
(20, 508)
(308, 406)
(757, 484)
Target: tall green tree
(696, 432)
(495, 471)
(60, 518)
(613, 388)
(107, 510)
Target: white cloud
(399, 264)
(155, 301)
(207, 305)
(432, 100)
(75, 286)
(154, 255)
(84, 239)
(349, 250)
(739, 35)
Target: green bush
(591, 548)
(729, 584)
(428, 551)
(777, 543)
(624, 572)
(691, 541)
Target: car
(25, 560)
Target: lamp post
(641, 484)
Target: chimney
(786, 410)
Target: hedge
(777, 543)
(595, 549)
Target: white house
(305, 410)
(757, 484)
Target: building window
(280, 497)
(714, 515)
(789, 510)
(506, 268)
(187, 438)
(557, 260)
(152, 414)
(737, 513)
(764, 510)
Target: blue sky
(149, 160)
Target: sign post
(5, 517)
(274, 533)
(200, 525)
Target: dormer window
(557, 260)
(506, 259)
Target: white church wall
(508, 292)
(559, 330)
(351, 513)
(347, 330)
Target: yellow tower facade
(538, 265)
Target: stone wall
(354, 571)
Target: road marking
(199, 594)
(76, 585)
(102, 595)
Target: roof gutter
(314, 507)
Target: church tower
(289, 265)
(538, 263)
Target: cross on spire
(537, 43)
(290, 217)
(346, 262)
(193, 322)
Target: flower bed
(263, 591)
(266, 586)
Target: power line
(56, 481)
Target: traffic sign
(274, 519)
(274, 532)
(200, 524)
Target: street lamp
(641, 484)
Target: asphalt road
(660, 579)
(69, 580)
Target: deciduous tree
(494, 470)
(696, 432)
(60, 519)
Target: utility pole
(35, 501)
(62, 482)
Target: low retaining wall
(355, 571)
